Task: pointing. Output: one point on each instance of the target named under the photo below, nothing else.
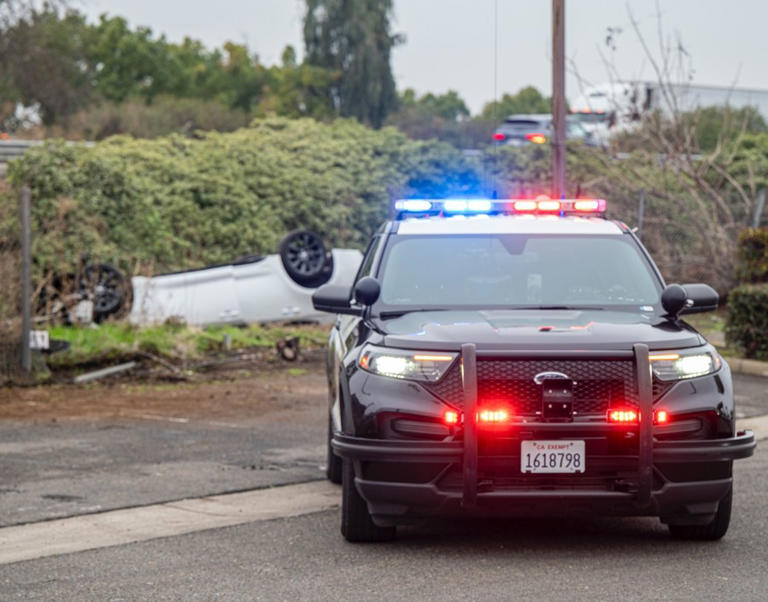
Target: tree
(440, 116)
(299, 90)
(526, 100)
(44, 59)
(352, 38)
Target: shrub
(747, 322)
(175, 202)
(752, 260)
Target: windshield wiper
(401, 312)
(568, 307)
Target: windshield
(516, 271)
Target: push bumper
(442, 495)
(457, 486)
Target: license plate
(548, 457)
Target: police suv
(524, 357)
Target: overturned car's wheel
(356, 522)
(105, 285)
(711, 531)
(305, 258)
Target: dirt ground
(241, 392)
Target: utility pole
(558, 98)
(26, 279)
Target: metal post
(759, 208)
(645, 443)
(26, 279)
(469, 374)
(558, 98)
(640, 213)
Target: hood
(537, 330)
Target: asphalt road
(113, 463)
(305, 558)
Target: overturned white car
(251, 289)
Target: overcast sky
(449, 43)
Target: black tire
(105, 286)
(356, 523)
(334, 466)
(711, 531)
(305, 258)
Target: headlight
(408, 364)
(676, 365)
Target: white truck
(618, 106)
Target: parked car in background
(519, 130)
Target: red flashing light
(498, 136)
(484, 416)
(493, 416)
(451, 417)
(629, 416)
(536, 138)
(623, 416)
(544, 204)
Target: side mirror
(367, 291)
(701, 298)
(689, 299)
(334, 299)
(673, 300)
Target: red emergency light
(495, 415)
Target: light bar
(539, 205)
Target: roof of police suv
(508, 224)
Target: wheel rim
(305, 254)
(103, 284)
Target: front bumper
(678, 480)
(444, 493)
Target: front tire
(356, 522)
(713, 530)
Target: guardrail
(11, 149)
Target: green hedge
(174, 202)
(747, 323)
(752, 260)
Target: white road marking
(118, 527)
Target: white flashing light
(455, 206)
(479, 205)
(414, 205)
